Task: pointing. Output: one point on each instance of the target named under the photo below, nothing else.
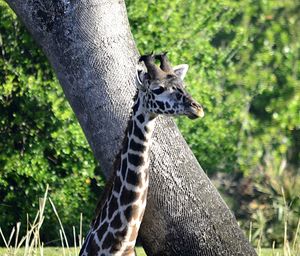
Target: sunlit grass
(47, 251)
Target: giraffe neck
(116, 226)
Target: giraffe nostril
(195, 110)
(196, 105)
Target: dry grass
(290, 247)
(31, 244)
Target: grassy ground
(55, 251)
(32, 239)
(58, 251)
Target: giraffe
(119, 213)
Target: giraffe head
(163, 90)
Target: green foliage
(275, 209)
(244, 68)
(40, 140)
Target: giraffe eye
(158, 91)
(178, 96)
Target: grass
(47, 251)
(30, 243)
(58, 251)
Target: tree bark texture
(92, 51)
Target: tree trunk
(92, 51)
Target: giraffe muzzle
(194, 110)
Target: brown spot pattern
(113, 206)
(133, 178)
(128, 196)
(116, 222)
(108, 241)
(118, 184)
(101, 231)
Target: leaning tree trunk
(91, 49)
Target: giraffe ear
(181, 70)
(141, 77)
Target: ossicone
(154, 71)
(147, 57)
(165, 64)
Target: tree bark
(92, 51)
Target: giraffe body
(119, 214)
